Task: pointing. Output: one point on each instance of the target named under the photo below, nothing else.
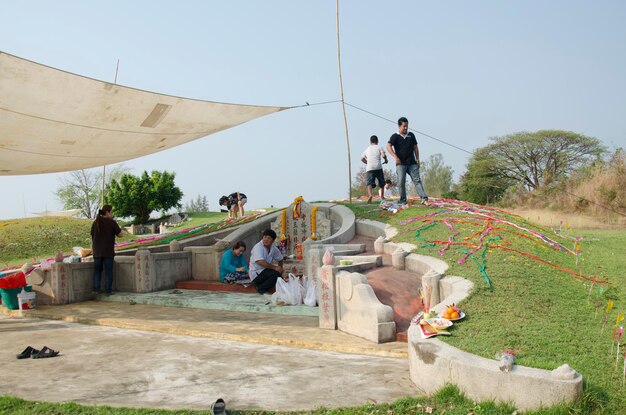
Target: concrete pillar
(327, 297)
(379, 245)
(144, 271)
(397, 258)
(312, 259)
(60, 283)
(175, 246)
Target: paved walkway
(127, 356)
(131, 350)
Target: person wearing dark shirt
(103, 232)
(403, 148)
(234, 204)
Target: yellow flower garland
(313, 222)
(283, 225)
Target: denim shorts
(374, 176)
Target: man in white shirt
(374, 168)
(266, 263)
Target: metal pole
(343, 108)
(104, 168)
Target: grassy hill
(541, 292)
(33, 239)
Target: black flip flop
(45, 352)
(27, 353)
(219, 407)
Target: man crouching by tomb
(266, 263)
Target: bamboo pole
(343, 108)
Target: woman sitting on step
(233, 266)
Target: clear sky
(459, 71)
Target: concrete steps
(214, 286)
(210, 300)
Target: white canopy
(53, 121)
(64, 213)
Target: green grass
(23, 240)
(200, 218)
(447, 401)
(545, 314)
(33, 239)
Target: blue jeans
(413, 171)
(98, 262)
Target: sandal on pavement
(27, 353)
(45, 352)
(219, 407)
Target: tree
(199, 205)
(82, 189)
(482, 182)
(538, 159)
(139, 196)
(359, 184)
(436, 176)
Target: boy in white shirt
(388, 193)
(372, 158)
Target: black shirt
(103, 237)
(233, 200)
(403, 147)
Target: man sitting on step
(266, 263)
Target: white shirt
(373, 154)
(260, 252)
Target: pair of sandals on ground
(31, 352)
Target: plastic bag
(290, 292)
(310, 294)
(15, 280)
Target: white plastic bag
(290, 292)
(310, 294)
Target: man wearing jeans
(403, 147)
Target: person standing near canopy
(103, 232)
(403, 148)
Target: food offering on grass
(452, 313)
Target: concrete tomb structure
(346, 300)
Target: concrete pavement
(166, 357)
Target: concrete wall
(205, 261)
(124, 274)
(344, 218)
(170, 268)
(433, 363)
(200, 240)
(145, 272)
(359, 312)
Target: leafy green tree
(483, 182)
(541, 158)
(201, 204)
(436, 176)
(82, 189)
(140, 196)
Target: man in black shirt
(403, 147)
